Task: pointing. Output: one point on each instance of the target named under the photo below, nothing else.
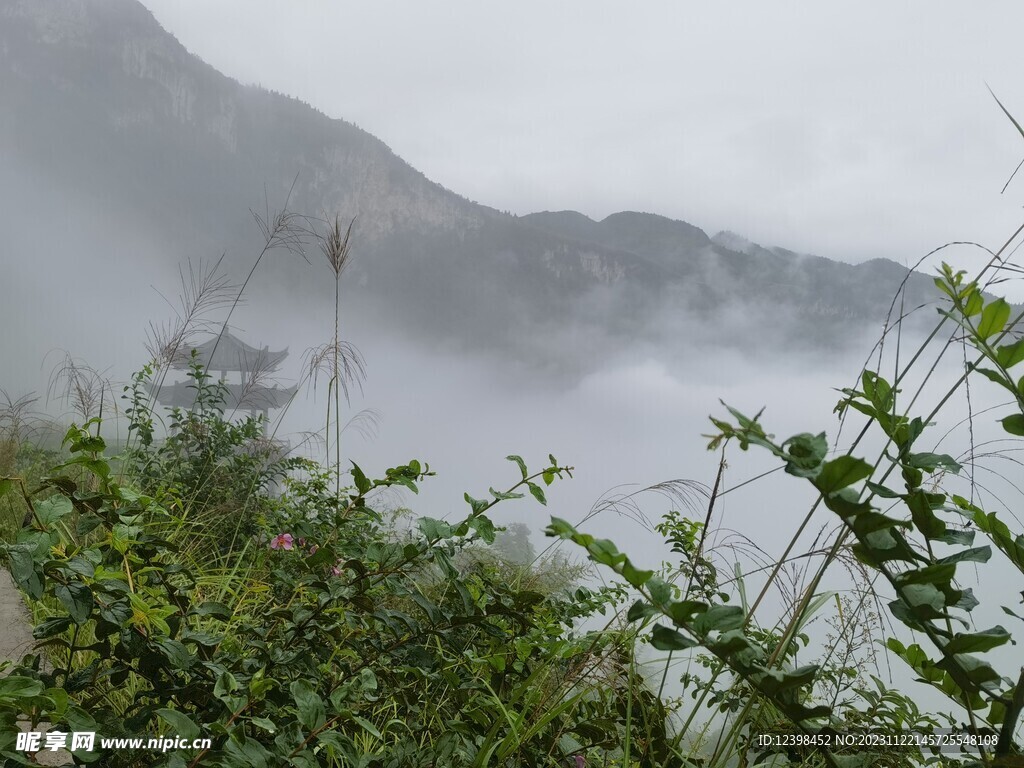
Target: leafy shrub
(217, 469)
(337, 641)
(917, 554)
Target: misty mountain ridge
(111, 125)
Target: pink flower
(580, 762)
(302, 543)
(281, 541)
(313, 548)
(336, 570)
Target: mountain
(135, 152)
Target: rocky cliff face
(103, 105)
(124, 78)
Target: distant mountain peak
(736, 243)
(105, 75)
(639, 216)
(73, 22)
(110, 122)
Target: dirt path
(15, 641)
(15, 629)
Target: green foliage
(206, 585)
(351, 643)
(717, 627)
(928, 597)
(685, 537)
(768, 687)
(211, 469)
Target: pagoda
(227, 353)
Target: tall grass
(560, 692)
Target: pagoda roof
(226, 352)
(247, 397)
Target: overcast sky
(850, 130)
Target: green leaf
(1009, 355)
(719, 618)
(978, 642)
(60, 699)
(86, 524)
(881, 491)
(640, 610)
(634, 576)
(248, 754)
(538, 493)
(963, 537)
(177, 654)
(503, 496)
(51, 627)
(905, 433)
(368, 680)
(667, 639)
(1014, 424)
(929, 462)
(265, 723)
(363, 485)
(477, 505)
(211, 608)
(21, 562)
(967, 602)
(428, 607)
(434, 530)
(98, 467)
(80, 566)
(224, 690)
(519, 463)
(840, 473)
(923, 515)
(17, 687)
(604, 552)
(912, 476)
(804, 453)
(682, 612)
(929, 595)
(937, 573)
(309, 705)
(53, 509)
(181, 724)
(974, 555)
(775, 681)
(993, 318)
(1008, 612)
(970, 672)
(204, 639)
(1011, 546)
(90, 443)
(974, 304)
(998, 378)
(940, 283)
(659, 590)
(325, 555)
(77, 599)
(563, 529)
(484, 528)
(369, 727)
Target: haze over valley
(129, 164)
